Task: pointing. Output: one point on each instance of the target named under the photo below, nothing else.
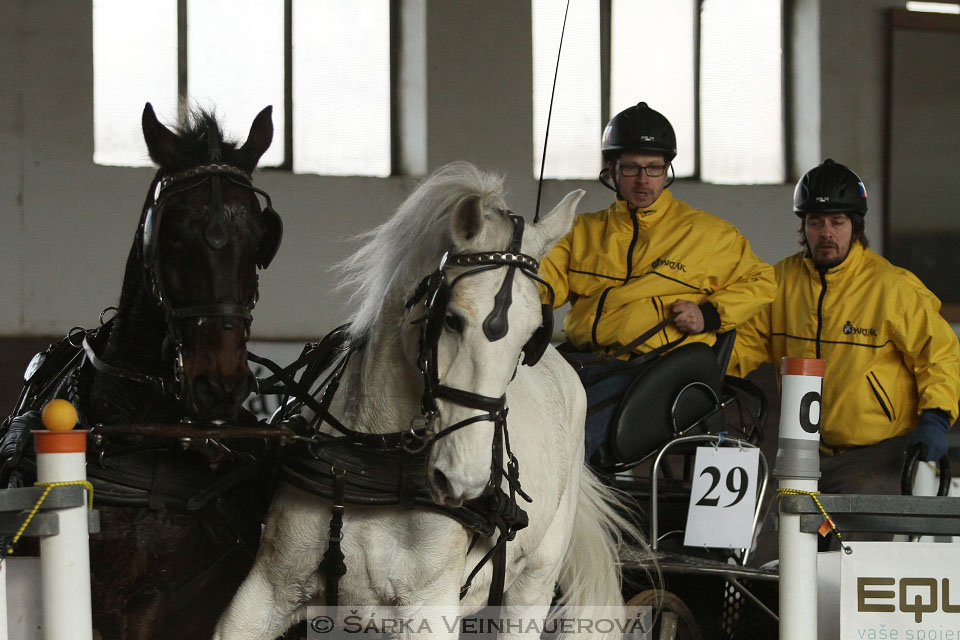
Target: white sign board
(723, 498)
(24, 599)
(900, 590)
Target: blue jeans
(605, 384)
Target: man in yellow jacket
(645, 260)
(892, 362)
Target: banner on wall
(900, 590)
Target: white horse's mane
(387, 265)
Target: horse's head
(203, 235)
(483, 317)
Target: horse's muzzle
(216, 398)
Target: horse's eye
(453, 322)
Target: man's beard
(828, 263)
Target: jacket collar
(849, 265)
(646, 217)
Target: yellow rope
(43, 496)
(826, 516)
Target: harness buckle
(178, 374)
(420, 433)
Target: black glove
(931, 435)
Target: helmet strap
(604, 179)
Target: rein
(163, 385)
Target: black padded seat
(665, 400)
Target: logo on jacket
(849, 329)
(663, 262)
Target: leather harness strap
(333, 566)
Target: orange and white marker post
(65, 557)
(798, 470)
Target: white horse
(415, 560)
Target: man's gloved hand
(931, 434)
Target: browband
(205, 169)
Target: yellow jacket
(621, 271)
(889, 353)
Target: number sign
(723, 498)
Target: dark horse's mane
(201, 131)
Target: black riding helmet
(639, 128)
(830, 188)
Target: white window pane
(741, 112)
(573, 149)
(235, 64)
(132, 65)
(651, 60)
(341, 87)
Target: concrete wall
(66, 224)
(926, 85)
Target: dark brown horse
(180, 517)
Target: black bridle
(163, 188)
(435, 292)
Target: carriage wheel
(674, 618)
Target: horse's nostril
(440, 482)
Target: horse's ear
(258, 140)
(467, 222)
(161, 142)
(554, 226)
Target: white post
(65, 558)
(4, 572)
(798, 468)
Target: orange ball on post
(59, 415)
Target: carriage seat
(679, 392)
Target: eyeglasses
(652, 171)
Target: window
(712, 67)
(574, 142)
(741, 115)
(657, 69)
(225, 71)
(237, 56)
(341, 86)
(123, 55)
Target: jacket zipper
(603, 296)
(823, 294)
